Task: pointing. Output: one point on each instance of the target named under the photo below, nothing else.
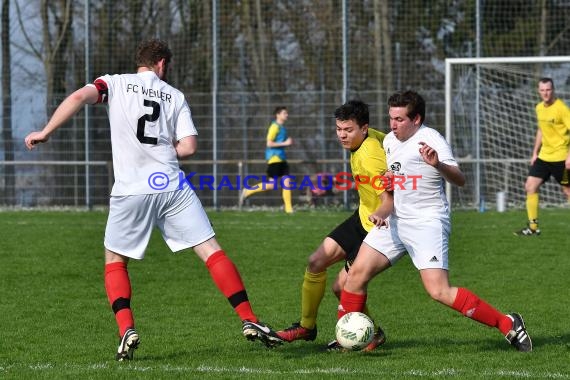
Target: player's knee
(529, 189)
(355, 282)
(435, 292)
(316, 262)
(358, 278)
(322, 258)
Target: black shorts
(349, 235)
(277, 169)
(544, 169)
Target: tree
(56, 46)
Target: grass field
(55, 321)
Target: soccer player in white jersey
(420, 161)
(151, 128)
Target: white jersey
(147, 117)
(419, 191)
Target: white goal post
(490, 122)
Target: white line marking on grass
(98, 366)
(546, 375)
(203, 368)
(41, 366)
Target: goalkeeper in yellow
(367, 162)
(551, 152)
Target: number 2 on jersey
(148, 117)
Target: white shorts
(426, 241)
(178, 214)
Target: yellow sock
(258, 188)
(532, 210)
(287, 201)
(311, 296)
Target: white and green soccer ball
(354, 331)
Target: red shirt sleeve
(101, 86)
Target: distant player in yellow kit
(277, 167)
(551, 152)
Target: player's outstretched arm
(69, 107)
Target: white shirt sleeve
(184, 125)
(442, 147)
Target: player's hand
(377, 220)
(35, 138)
(534, 157)
(289, 141)
(429, 155)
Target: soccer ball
(354, 331)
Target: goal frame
(449, 62)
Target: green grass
(55, 321)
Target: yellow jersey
(554, 123)
(377, 135)
(276, 133)
(369, 161)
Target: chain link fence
(236, 61)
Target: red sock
(475, 308)
(227, 279)
(350, 302)
(118, 287)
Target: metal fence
(236, 61)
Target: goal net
(491, 125)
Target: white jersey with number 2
(147, 116)
(419, 191)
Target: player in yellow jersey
(277, 167)
(551, 152)
(367, 160)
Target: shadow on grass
(390, 348)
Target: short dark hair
(413, 102)
(355, 110)
(151, 51)
(546, 80)
(278, 109)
